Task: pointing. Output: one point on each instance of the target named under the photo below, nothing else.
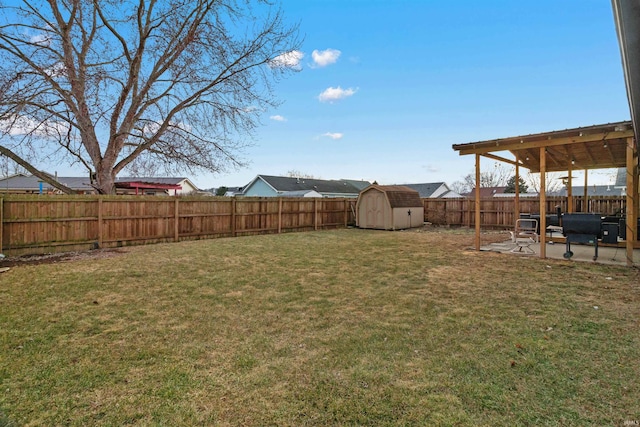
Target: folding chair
(524, 235)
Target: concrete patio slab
(581, 253)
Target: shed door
(374, 209)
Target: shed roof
(399, 196)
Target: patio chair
(524, 235)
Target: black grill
(581, 228)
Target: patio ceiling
(590, 147)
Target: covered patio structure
(605, 146)
(142, 186)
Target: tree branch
(43, 176)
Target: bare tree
(293, 173)
(553, 183)
(177, 85)
(459, 187)
(495, 177)
(8, 167)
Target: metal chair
(524, 235)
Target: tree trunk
(43, 176)
(105, 180)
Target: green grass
(345, 328)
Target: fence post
(100, 235)
(315, 213)
(346, 213)
(279, 215)
(1, 221)
(233, 217)
(176, 221)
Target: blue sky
(419, 76)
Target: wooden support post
(315, 213)
(100, 223)
(477, 202)
(176, 221)
(279, 215)
(585, 206)
(570, 207)
(517, 199)
(543, 202)
(233, 217)
(632, 195)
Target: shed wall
(374, 211)
(402, 219)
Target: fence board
(498, 212)
(40, 224)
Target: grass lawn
(333, 328)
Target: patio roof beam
(553, 157)
(527, 142)
(500, 159)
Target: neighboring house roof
(621, 178)
(432, 190)
(360, 185)
(399, 196)
(450, 195)
(152, 179)
(301, 193)
(284, 184)
(32, 183)
(593, 190)
(486, 192)
(426, 190)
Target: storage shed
(389, 207)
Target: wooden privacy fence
(498, 212)
(42, 224)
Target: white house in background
(433, 190)
(29, 184)
(233, 191)
(593, 191)
(284, 186)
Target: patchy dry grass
(346, 327)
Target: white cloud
(278, 118)
(333, 135)
(287, 60)
(322, 58)
(40, 39)
(431, 168)
(335, 93)
(15, 126)
(57, 70)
